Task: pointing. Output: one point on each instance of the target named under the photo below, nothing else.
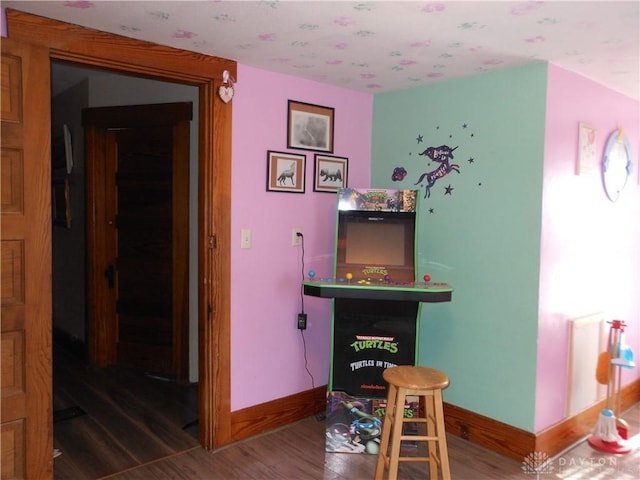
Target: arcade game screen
(376, 245)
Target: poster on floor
(354, 424)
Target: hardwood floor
(109, 420)
(297, 452)
(133, 430)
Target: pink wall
(590, 258)
(267, 354)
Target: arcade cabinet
(376, 309)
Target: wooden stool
(427, 384)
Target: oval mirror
(616, 164)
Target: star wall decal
(448, 190)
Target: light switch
(245, 238)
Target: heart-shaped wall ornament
(226, 93)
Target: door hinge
(213, 241)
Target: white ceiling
(381, 46)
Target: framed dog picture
(330, 173)
(285, 172)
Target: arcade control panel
(427, 291)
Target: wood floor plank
(128, 420)
(66, 468)
(134, 436)
(95, 452)
(61, 400)
(177, 402)
(156, 415)
(155, 406)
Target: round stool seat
(416, 377)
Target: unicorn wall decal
(442, 155)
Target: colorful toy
(612, 432)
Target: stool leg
(442, 437)
(430, 415)
(386, 433)
(396, 433)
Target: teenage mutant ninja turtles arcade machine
(376, 309)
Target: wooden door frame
(81, 45)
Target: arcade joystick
(312, 274)
(426, 278)
(349, 276)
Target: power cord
(302, 327)
(302, 275)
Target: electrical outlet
(296, 240)
(302, 321)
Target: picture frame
(330, 173)
(310, 127)
(62, 151)
(587, 154)
(60, 203)
(285, 172)
(68, 149)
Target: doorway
(102, 50)
(145, 187)
(74, 89)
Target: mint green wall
(483, 237)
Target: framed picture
(330, 173)
(61, 151)
(310, 127)
(587, 155)
(60, 203)
(285, 172)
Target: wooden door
(25, 236)
(138, 235)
